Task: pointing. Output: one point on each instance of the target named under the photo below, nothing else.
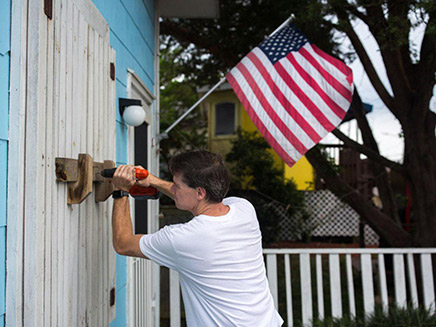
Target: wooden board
(68, 268)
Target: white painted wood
(350, 251)
(306, 289)
(99, 156)
(111, 143)
(148, 292)
(174, 299)
(319, 287)
(412, 280)
(400, 281)
(50, 178)
(68, 261)
(288, 279)
(91, 14)
(271, 268)
(383, 284)
(140, 314)
(139, 304)
(335, 285)
(428, 282)
(15, 177)
(34, 215)
(90, 234)
(367, 284)
(154, 167)
(60, 150)
(70, 212)
(350, 285)
(136, 89)
(367, 274)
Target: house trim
(14, 266)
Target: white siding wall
(66, 267)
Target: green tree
(215, 46)
(256, 176)
(177, 94)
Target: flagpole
(164, 135)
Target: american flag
(293, 92)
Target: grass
(409, 317)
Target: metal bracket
(80, 174)
(161, 136)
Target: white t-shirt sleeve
(159, 246)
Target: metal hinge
(112, 297)
(48, 8)
(112, 72)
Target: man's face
(185, 197)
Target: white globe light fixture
(132, 112)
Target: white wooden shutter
(68, 259)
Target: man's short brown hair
(202, 169)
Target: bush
(408, 317)
(255, 174)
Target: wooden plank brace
(80, 174)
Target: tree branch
(371, 154)
(186, 36)
(368, 66)
(382, 224)
(383, 184)
(427, 58)
(355, 12)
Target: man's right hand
(160, 184)
(146, 182)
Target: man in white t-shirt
(218, 254)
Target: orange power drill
(138, 192)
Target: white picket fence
(372, 269)
(369, 263)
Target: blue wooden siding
(5, 12)
(132, 37)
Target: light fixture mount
(131, 111)
(123, 103)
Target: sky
(385, 127)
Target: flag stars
(279, 45)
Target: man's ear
(201, 193)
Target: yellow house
(225, 114)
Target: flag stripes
(322, 73)
(325, 117)
(316, 87)
(278, 121)
(295, 101)
(270, 134)
(303, 122)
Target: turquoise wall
(5, 31)
(132, 37)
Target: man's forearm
(121, 222)
(125, 242)
(162, 185)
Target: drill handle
(138, 192)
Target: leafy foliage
(177, 94)
(253, 169)
(207, 49)
(212, 46)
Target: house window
(225, 118)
